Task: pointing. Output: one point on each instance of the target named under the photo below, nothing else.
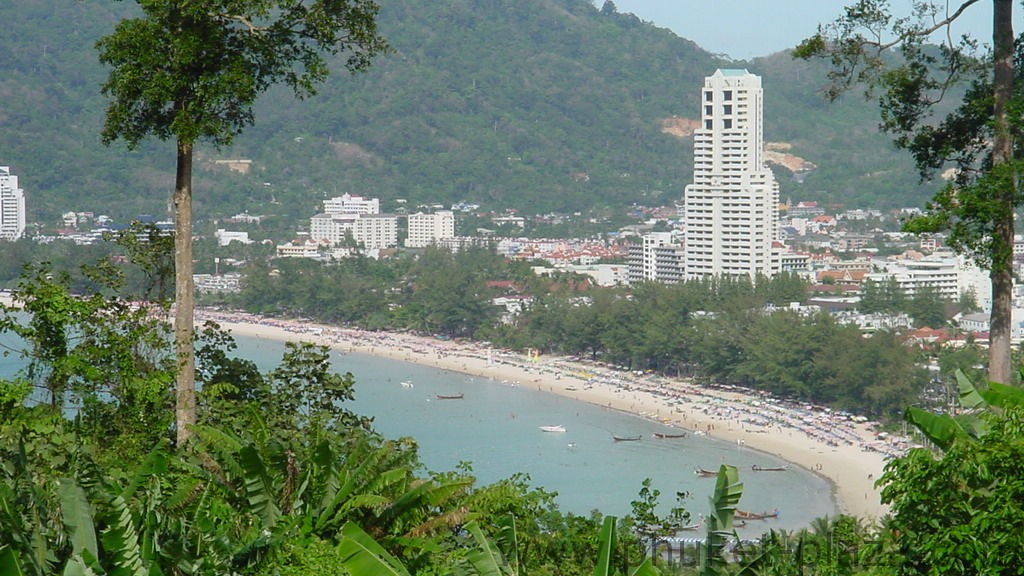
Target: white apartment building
(12, 206)
(371, 231)
(429, 229)
(659, 257)
(349, 204)
(731, 210)
(940, 273)
(225, 237)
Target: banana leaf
(485, 559)
(363, 556)
(728, 491)
(607, 538)
(941, 429)
(76, 514)
(9, 563)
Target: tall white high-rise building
(12, 206)
(730, 211)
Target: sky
(743, 29)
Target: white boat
(406, 383)
(558, 428)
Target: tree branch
(245, 21)
(917, 33)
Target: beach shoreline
(847, 454)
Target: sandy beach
(849, 454)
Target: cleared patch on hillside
(679, 127)
(775, 152)
(355, 154)
(778, 153)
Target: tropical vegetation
(281, 478)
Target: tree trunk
(1002, 155)
(185, 397)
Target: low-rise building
(225, 237)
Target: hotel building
(730, 211)
(12, 206)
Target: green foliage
(94, 354)
(362, 555)
(838, 546)
(980, 138)
(485, 559)
(645, 519)
(152, 252)
(604, 557)
(205, 64)
(279, 476)
(960, 513)
(728, 491)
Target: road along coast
(849, 454)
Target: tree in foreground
(978, 138)
(960, 509)
(192, 71)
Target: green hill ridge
(534, 105)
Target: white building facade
(429, 229)
(349, 204)
(659, 257)
(938, 272)
(12, 206)
(371, 231)
(730, 211)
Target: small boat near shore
(556, 428)
(744, 515)
(757, 468)
(705, 473)
(626, 438)
(662, 436)
(691, 527)
(450, 396)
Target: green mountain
(537, 105)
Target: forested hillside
(537, 105)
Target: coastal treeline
(730, 331)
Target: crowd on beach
(683, 401)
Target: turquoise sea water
(495, 427)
